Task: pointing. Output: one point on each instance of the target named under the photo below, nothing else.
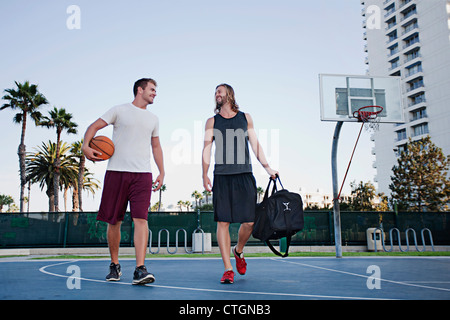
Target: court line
(43, 270)
(360, 275)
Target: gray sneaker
(141, 276)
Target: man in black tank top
(234, 188)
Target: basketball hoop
(368, 115)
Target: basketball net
(369, 117)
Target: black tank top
(232, 154)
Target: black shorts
(234, 198)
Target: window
(413, 55)
(394, 63)
(391, 23)
(418, 99)
(392, 36)
(419, 114)
(413, 69)
(393, 50)
(409, 12)
(389, 10)
(421, 129)
(410, 26)
(402, 148)
(401, 135)
(411, 40)
(416, 83)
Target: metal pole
(336, 207)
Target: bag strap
(288, 243)
(266, 194)
(288, 238)
(279, 180)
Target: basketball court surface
(327, 278)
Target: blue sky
(270, 52)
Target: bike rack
(176, 241)
(199, 229)
(422, 232)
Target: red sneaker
(241, 265)
(228, 277)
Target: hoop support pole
(336, 206)
(350, 162)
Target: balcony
(419, 116)
(404, 4)
(385, 3)
(420, 130)
(410, 72)
(409, 28)
(415, 87)
(417, 101)
(411, 42)
(410, 57)
(407, 16)
(389, 13)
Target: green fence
(83, 230)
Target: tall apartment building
(410, 39)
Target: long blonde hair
(230, 98)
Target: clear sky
(270, 52)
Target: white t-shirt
(133, 131)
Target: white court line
(43, 270)
(360, 275)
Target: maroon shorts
(120, 188)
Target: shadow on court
(411, 278)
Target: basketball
(104, 145)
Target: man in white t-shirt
(128, 178)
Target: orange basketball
(104, 145)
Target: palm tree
(27, 99)
(259, 192)
(207, 194)
(180, 203)
(197, 196)
(76, 151)
(89, 184)
(61, 120)
(161, 190)
(40, 168)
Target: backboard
(342, 95)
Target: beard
(220, 101)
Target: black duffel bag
(278, 216)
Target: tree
(77, 153)
(187, 204)
(207, 194)
(260, 192)
(61, 120)
(419, 181)
(363, 195)
(180, 203)
(40, 168)
(197, 196)
(155, 207)
(383, 204)
(161, 190)
(5, 200)
(28, 100)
